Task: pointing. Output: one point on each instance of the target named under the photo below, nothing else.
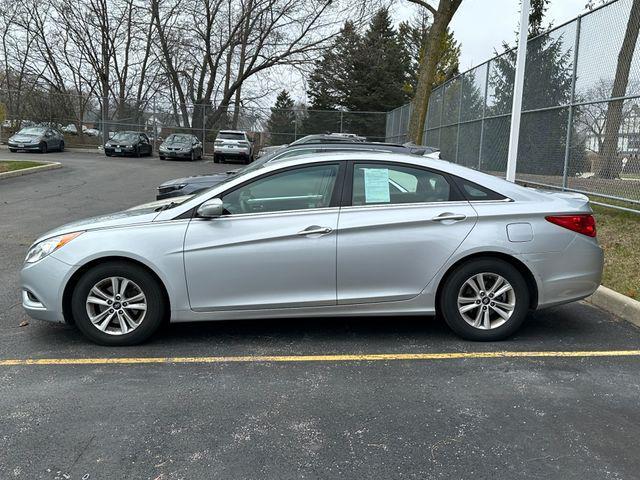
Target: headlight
(50, 245)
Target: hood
(117, 219)
(159, 203)
(212, 179)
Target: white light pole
(518, 88)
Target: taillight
(583, 223)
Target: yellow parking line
(366, 357)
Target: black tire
(193, 155)
(107, 154)
(43, 147)
(153, 318)
(137, 152)
(13, 150)
(449, 299)
(61, 146)
(162, 157)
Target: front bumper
(123, 151)
(42, 288)
(175, 154)
(24, 146)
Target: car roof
(231, 131)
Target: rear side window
(397, 184)
(472, 191)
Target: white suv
(232, 144)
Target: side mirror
(211, 208)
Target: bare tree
(611, 165)
(442, 16)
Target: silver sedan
(347, 234)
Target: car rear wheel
(43, 147)
(62, 146)
(118, 303)
(485, 299)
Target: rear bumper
(567, 276)
(231, 152)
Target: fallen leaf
(24, 323)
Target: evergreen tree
(413, 35)
(361, 73)
(547, 83)
(281, 121)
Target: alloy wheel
(486, 301)
(116, 305)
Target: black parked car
(128, 143)
(39, 139)
(194, 184)
(181, 145)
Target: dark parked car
(181, 145)
(329, 138)
(39, 139)
(190, 185)
(128, 143)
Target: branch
(424, 4)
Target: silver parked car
(356, 233)
(39, 139)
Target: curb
(613, 302)
(27, 171)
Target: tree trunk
(610, 165)
(433, 51)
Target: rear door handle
(449, 216)
(315, 230)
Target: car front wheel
(485, 299)
(118, 303)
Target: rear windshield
(231, 136)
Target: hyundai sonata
(341, 234)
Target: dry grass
(619, 235)
(10, 166)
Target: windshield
(179, 138)
(231, 136)
(125, 136)
(32, 131)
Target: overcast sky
(482, 25)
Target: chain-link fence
(80, 119)
(580, 123)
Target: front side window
(299, 189)
(396, 184)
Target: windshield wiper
(166, 207)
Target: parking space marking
(365, 357)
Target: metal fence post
(518, 90)
(459, 116)
(444, 89)
(341, 114)
(204, 132)
(567, 147)
(153, 124)
(484, 113)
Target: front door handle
(315, 230)
(449, 216)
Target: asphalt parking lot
(233, 399)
